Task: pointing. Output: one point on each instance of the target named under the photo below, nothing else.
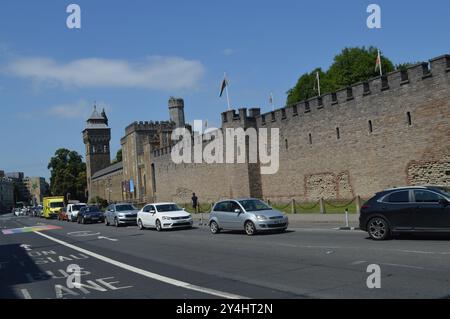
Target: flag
(317, 82)
(271, 99)
(378, 63)
(223, 86)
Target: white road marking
(25, 293)
(402, 266)
(107, 238)
(82, 233)
(359, 262)
(148, 274)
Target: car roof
(123, 204)
(237, 199)
(166, 203)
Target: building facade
(37, 188)
(6, 194)
(390, 131)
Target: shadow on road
(15, 264)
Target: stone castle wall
(390, 131)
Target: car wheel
(83, 221)
(214, 228)
(378, 229)
(158, 225)
(250, 228)
(116, 222)
(79, 220)
(140, 224)
(106, 221)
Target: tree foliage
(68, 174)
(351, 66)
(118, 157)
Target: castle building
(393, 130)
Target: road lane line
(25, 293)
(148, 274)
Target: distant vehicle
(406, 210)
(18, 211)
(90, 214)
(63, 216)
(73, 209)
(163, 216)
(52, 206)
(121, 214)
(250, 215)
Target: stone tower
(96, 137)
(176, 111)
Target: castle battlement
(437, 67)
(148, 126)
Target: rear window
(398, 197)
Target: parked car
(163, 216)
(73, 210)
(406, 210)
(121, 214)
(63, 215)
(251, 215)
(90, 214)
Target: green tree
(351, 66)
(118, 157)
(68, 174)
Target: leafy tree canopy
(118, 157)
(68, 174)
(351, 66)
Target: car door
(107, 213)
(236, 220)
(221, 212)
(398, 208)
(144, 216)
(152, 216)
(429, 214)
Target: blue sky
(131, 56)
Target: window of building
(286, 143)
(283, 113)
(338, 133)
(409, 118)
(295, 110)
(310, 138)
(370, 126)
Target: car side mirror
(237, 211)
(444, 202)
(152, 212)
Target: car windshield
(92, 209)
(122, 208)
(253, 205)
(56, 205)
(77, 207)
(168, 208)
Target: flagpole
(272, 101)
(226, 91)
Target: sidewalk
(335, 219)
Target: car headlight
(165, 218)
(261, 217)
(121, 215)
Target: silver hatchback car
(250, 215)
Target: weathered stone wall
(108, 187)
(409, 142)
(391, 131)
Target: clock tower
(96, 137)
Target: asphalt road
(305, 262)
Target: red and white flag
(378, 64)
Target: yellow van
(52, 206)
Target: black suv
(407, 209)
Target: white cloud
(156, 72)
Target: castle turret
(96, 137)
(176, 111)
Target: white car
(73, 210)
(163, 216)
